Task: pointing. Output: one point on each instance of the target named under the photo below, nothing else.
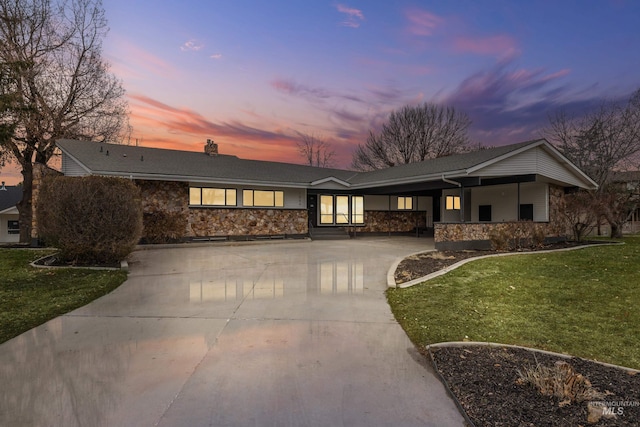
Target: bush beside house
(92, 219)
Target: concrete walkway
(282, 334)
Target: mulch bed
(420, 265)
(484, 379)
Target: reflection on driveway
(324, 278)
(272, 334)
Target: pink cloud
(353, 18)
(135, 62)
(494, 45)
(161, 125)
(421, 22)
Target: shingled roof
(153, 163)
(9, 196)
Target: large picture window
(405, 203)
(212, 196)
(263, 198)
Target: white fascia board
(330, 179)
(13, 210)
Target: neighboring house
(9, 228)
(461, 198)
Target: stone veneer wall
(167, 196)
(210, 222)
(206, 222)
(476, 235)
(392, 221)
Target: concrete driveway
(275, 334)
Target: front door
(312, 208)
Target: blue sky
(254, 74)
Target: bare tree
(315, 150)
(600, 143)
(576, 210)
(51, 57)
(413, 134)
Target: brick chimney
(211, 148)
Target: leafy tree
(59, 85)
(315, 151)
(413, 134)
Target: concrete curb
(498, 345)
(124, 265)
(391, 282)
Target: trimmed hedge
(92, 220)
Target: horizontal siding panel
(549, 167)
(71, 167)
(535, 193)
(520, 164)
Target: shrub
(560, 381)
(164, 227)
(500, 239)
(92, 220)
(517, 235)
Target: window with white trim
(212, 196)
(405, 203)
(263, 198)
(452, 203)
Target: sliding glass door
(341, 210)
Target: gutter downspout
(448, 181)
(459, 184)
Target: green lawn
(584, 303)
(31, 296)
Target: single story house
(10, 196)
(460, 198)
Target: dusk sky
(253, 74)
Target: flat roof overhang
(431, 187)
